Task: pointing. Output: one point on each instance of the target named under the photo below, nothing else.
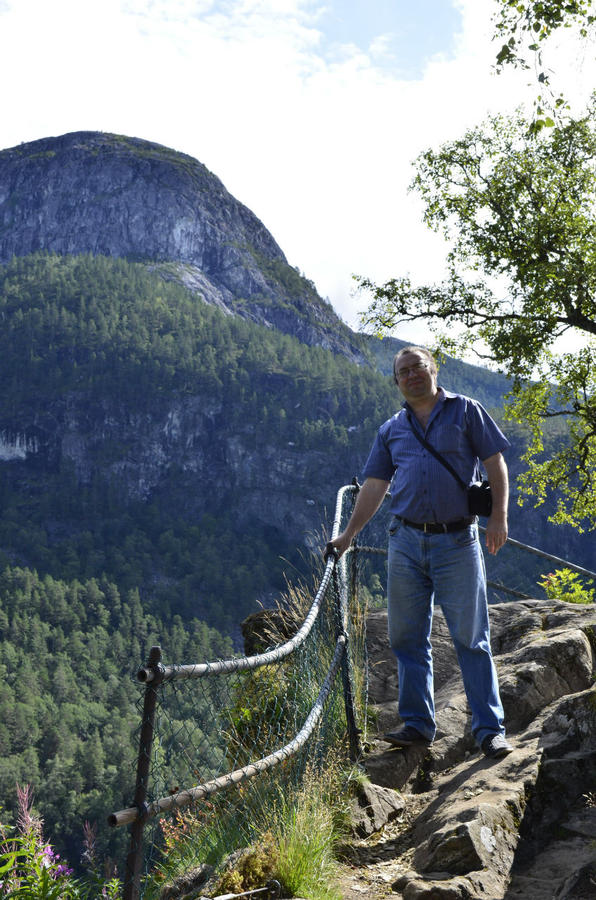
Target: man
(434, 551)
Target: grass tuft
(306, 840)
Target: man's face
(415, 376)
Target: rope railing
(186, 797)
(497, 586)
(207, 727)
(587, 573)
(240, 664)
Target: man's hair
(422, 350)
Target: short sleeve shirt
(422, 490)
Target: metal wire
(186, 797)
(274, 712)
(556, 559)
(219, 724)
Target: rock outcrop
(521, 826)
(118, 196)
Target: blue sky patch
(400, 36)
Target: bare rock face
(373, 806)
(118, 196)
(521, 826)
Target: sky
(311, 112)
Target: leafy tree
(520, 215)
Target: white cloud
(380, 47)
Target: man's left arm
(496, 526)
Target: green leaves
(541, 18)
(565, 585)
(526, 26)
(506, 55)
(518, 209)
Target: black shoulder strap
(436, 453)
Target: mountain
(186, 442)
(178, 408)
(148, 435)
(121, 197)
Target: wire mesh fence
(209, 729)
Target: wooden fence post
(134, 860)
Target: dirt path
(372, 866)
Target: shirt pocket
(450, 439)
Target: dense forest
(105, 333)
(109, 326)
(68, 713)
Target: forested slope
(148, 436)
(68, 713)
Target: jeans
(448, 568)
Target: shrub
(563, 584)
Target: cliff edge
(462, 826)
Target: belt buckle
(424, 529)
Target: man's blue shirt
(422, 489)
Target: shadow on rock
(520, 826)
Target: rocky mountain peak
(90, 192)
(118, 196)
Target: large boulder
(521, 826)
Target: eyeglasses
(409, 370)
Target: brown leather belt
(441, 527)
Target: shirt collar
(444, 394)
